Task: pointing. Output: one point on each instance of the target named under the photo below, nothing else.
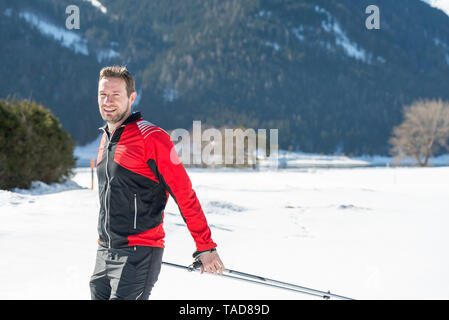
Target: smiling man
(138, 168)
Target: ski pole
(324, 294)
(271, 281)
(263, 281)
(191, 268)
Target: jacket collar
(131, 118)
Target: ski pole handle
(197, 264)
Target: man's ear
(133, 97)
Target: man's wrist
(197, 254)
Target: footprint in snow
(222, 207)
(351, 206)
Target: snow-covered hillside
(440, 4)
(367, 233)
(67, 38)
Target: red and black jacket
(138, 167)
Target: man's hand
(211, 263)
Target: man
(138, 168)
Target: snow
(323, 11)
(444, 46)
(298, 33)
(274, 45)
(88, 151)
(40, 188)
(440, 43)
(170, 93)
(106, 54)
(351, 48)
(341, 39)
(366, 233)
(7, 12)
(381, 59)
(97, 4)
(288, 159)
(439, 4)
(263, 13)
(68, 39)
(284, 159)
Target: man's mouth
(109, 109)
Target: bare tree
(424, 131)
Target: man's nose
(107, 99)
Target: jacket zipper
(106, 195)
(135, 211)
(109, 139)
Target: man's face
(113, 100)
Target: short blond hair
(119, 72)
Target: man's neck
(113, 126)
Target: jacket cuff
(198, 254)
(206, 246)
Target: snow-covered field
(366, 233)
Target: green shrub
(33, 145)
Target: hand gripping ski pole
(237, 275)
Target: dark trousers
(125, 273)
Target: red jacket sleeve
(160, 149)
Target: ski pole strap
(197, 264)
(197, 254)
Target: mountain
(440, 4)
(309, 68)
